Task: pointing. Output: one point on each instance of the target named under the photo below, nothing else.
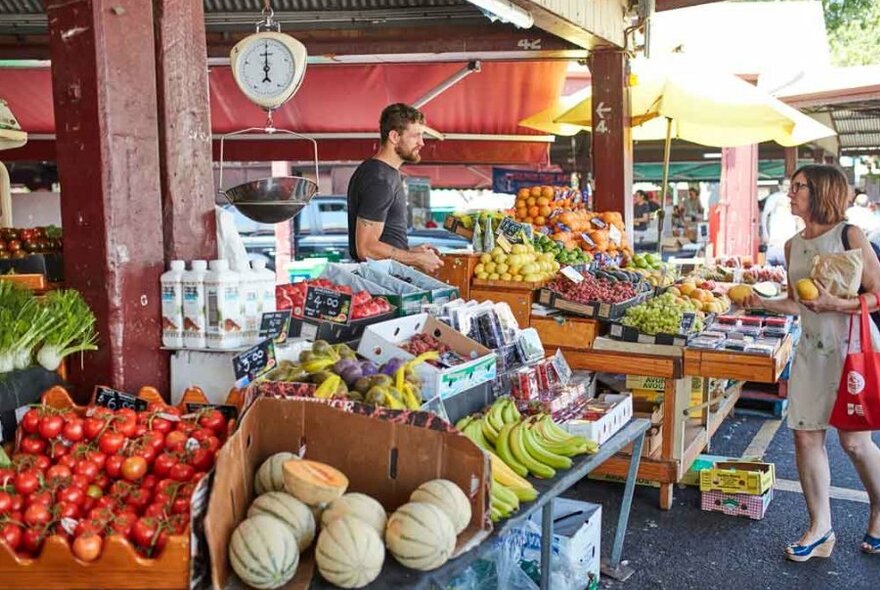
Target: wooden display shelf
(566, 332)
(457, 271)
(34, 282)
(737, 365)
(608, 361)
(508, 285)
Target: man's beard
(411, 157)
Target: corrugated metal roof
(858, 128)
(21, 6)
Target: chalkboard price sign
(327, 305)
(275, 325)
(687, 322)
(254, 361)
(115, 400)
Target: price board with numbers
(513, 231)
(275, 325)
(253, 362)
(116, 400)
(327, 305)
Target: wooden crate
(34, 282)
(520, 301)
(566, 332)
(737, 365)
(509, 286)
(457, 271)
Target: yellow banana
(328, 387)
(318, 365)
(502, 447)
(517, 446)
(504, 475)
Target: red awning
(347, 99)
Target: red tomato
(74, 430)
(144, 531)
(44, 498)
(139, 498)
(66, 510)
(149, 482)
(33, 445)
(50, 426)
(113, 466)
(160, 425)
(88, 503)
(58, 449)
(154, 439)
(102, 481)
(17, 503)
(78, 480)
(122, 523)
(111, 443)
(68, 461)
(72, 495)
(11, 535)
(32, 539)
(87, 469)
(180, 506)
(5, 503)
(201, 460)
(37, 514)
(175, 441)
(98, 458)
(156, 510)
(184, 427)
(90, 525)
(58, 473)
(26, 483)
(30, 422)
(147, 453)
(134, 468)
(105, 501)
(213, 420)
(41, 463)
(120, 489)
(181, 472)
(92, 427)
(163, 464)
(87, 547)
(139, 430)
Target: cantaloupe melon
(360, 506)
(420, 536)
(263, 552)
(270, 477)
(349, 553)
(290, 511)
(313, 482)
(447, 496)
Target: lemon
(501, 268)
(483, 276)
(496, 251)
(490, 267)
(479, 268)
(494, 276)
(506, 277)
(484, 258)
(514, 270)
(517, 278)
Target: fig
(369, 368)
(342, 365)
(320, 377)
(321, 348)
(380, 379)
(390, 368)
(362, 385)
(351, 374)
(306, 356)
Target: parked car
(321, 228)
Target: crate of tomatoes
(94, 497)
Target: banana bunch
(504, 502)
(502, 412)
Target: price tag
(115, 400)
(596, 222)
(513, 231)
(503, 243)
(560, 365)
(614, 234)
(229, 412)
(327, 304)
(253, 362)
(572, 274)
(687, 322)
(275, 325)
(588, 240)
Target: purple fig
(369, 368)
(390, 368)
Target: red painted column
(104, 91)
(791, 160)
(738, 226)
(612, 136)
(184, 131)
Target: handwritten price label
(327, 305)
(275, 325)
(115, 400)
(253, 362)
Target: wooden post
(184, 131)
(738, 227)
(612, 136)
(104, 94)
(791, 161)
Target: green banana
(517, 446)
(503, 507)
(517, 417)
(494, 513)
(539, 453)
(489, 431)
(502, 447)
(505, 495)
(475, 432)
(462, 424)
(569, 449)
(494, 417)
(508, 412)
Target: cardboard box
(595, 309)
(601, 430)
(647, 395)
(692, 475)
(648, 409)
(659, 383)
(653, 442)
(754, 507)
(577, 533)
(367, 449)
(380, 342)
(440, 292)
(738, 477)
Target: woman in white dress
(819, 196)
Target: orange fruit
(527, 220)
(536, 191)
(540, 220)
(520, 203)
(545, 211)
(547, 191)
(523, 193)
(530, 201)
(521, 212)
(542, 201)
(534, 211)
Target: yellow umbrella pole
(667, 153)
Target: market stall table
(395, 575)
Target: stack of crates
(738, 488)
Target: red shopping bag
(858, 396)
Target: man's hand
(425, 248)
(426, 259)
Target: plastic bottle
(251, 301)
(267, 283)
(172, 305)
(194, 320)
(223, 306)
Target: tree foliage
(853, 31)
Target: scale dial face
(267, 68)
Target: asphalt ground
(686, 548)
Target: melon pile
(295, 495)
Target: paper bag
(840, 273)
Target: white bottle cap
(258, 264)
(220, 265)
(199, 264)
(177, 265)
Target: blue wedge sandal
(870, 544)
(819, 548)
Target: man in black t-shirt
(376, 197)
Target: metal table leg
(613, 568)
(546, 543)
